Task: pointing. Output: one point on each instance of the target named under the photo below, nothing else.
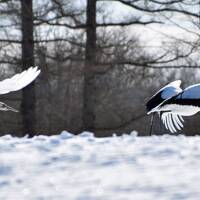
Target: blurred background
(101, 60)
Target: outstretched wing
(162, 95)
(172, 121)
(19, 81)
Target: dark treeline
(97, 73)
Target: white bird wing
(19, 80)
(172, 121)
(170, 89)
(191, 92)
(165, 93)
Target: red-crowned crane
(171, 103)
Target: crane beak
(11, 109)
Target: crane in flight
(171, 103)
(17, 82)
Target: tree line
(96, 73)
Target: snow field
(68, 167)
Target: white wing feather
(172, 121)
(164, 119)
(19, 81)
(178, 122)
(172, 129)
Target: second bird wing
(19, 80)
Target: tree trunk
(28, 93)
(89, 71)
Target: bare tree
(89, 71)
(28, 93)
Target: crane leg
(160, 115)
(151, 125)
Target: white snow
(67, 167)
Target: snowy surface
(67, 167)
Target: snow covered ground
(67, 167)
